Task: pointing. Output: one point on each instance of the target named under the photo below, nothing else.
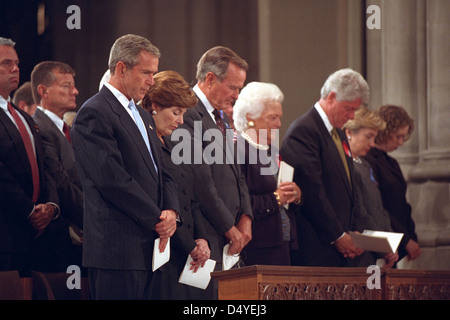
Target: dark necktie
(30, 152)
(66, 131)
(340, 148)
(219, 121)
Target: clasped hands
(239, 235)
(346, 247)
(41, 217)
(166, 227)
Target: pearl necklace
(357, 160)
(253, 143)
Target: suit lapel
(16, 140)
(331, 147)
(129, 124)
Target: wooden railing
(260, 282)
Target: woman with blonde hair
(361, 133)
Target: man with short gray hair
(220, 187)
(318, 150)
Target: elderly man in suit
(221, 189)
(54, 91)
(130, 199)
(316, 147)
(28, 198)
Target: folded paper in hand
(228, 260)
(286, 173)
(199, 279)
(160, 258)
(377, 241)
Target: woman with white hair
(257, 115)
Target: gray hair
(252, 101)
(7, 42)
(216, 60)
(127, 49)
(348, 86)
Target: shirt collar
(4, 103)
(56, 120)
(324, 117)
(119, 95)
(205, 101)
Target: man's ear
(331, 97)
(120, 68)
(42, 90)
(210, 78)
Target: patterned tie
(66, 131)
(141, 127)
(219, 121)
(30, 152)
(340, 148)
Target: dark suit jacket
(165, 279)
(267, 230)
(55, 250)
(328, 197)
(124, 195)
(61, 163)
(392, 186)
(16, 187)
(221, 189)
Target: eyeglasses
(9, 64)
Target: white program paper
(160, 258)
(228, 261)
(377, 241)
(199, 279)
(286, 173)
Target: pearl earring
(154, 113)
(349, 138)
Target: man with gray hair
(130, 199)
(318, 150)
(220, 189)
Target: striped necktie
(30, 152)
(219, 121)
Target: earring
(154, 112)
(349, 138)
(251, 124)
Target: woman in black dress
(257, 119)
(167, 100)
(392, 184)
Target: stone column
(407, 63)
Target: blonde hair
(365, 118)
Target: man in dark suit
(323, 171)
(130, 199)
(28, 198)
(55, 93)
(221, 189)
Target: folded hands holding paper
(200, 254)
(287, 191)
(166, 228)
